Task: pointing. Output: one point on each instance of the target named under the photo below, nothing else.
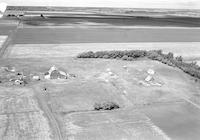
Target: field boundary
(189, 50)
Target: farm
(102, 78)
(97, 81)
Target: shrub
(99, 54)
(113, 54)
(179, 58)
(169, 55)
(89, 54)
(125, 57)
(106, 56)
(159, 52)
(193, 63)
(106, 106)
(118, 58)
(130, 59)
(152, 55)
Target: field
(143, 12)
(189, 50)
(2, 40)
(104, 35)
(170, 119)
(71, 101)
(21, 117)
(108, 21)
(33, 107)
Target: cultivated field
(54, 20)
(160, 104)
(144, 12)
(104, 35)
(21, 117)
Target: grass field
(189, 50)
(170, 119)
(104, 35)
(2, 40)
(71, 102)
(130, 125)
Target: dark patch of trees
(106, 106)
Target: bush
(114, 54)
(153, 55)
(106, 106)
(179, 58)
(130, 59)
(125, 57)
(89, 54)
(159, 52)
(169, 55)
(106, 56)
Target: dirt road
(44, 106)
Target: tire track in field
(8, 40)
(47, 111)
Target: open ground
(64, 109)
(71, 102)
